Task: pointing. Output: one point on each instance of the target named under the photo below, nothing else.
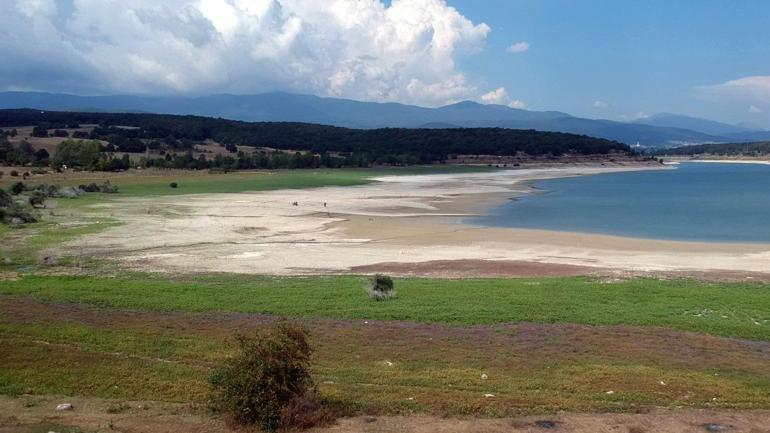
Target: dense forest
(135, 132)
(726, 149)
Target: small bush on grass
(268, 381)
(105, 187)
(37, 198)
(17, 214)
(381, 288)
(173, 185)
(17, 188)
(5, 199)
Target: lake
(712, 202)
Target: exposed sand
(401, 219)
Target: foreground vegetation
(731, 310)
(481, 347)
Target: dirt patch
(477, 268)
(526, 269)
(678, 421)
(32, 414)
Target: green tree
(6, 151)
(83, 154)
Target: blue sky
(615, 59)
(635, 56)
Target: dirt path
(34, 414)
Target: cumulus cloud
(755, 88)
(518, 47)
(754, 109)
(500, 96)
(359, 49)
(601, 104)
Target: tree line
(135, 132)
(747, 149)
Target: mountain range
(662, 130)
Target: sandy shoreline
(404, 220)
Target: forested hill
(426, 145)
(727, 149)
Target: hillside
(277, 106)
(134, 132)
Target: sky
(614, 59)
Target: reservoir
(710, 202)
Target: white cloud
(601, 104)
(634, 116)
(754, 109)
(500, 96)
(755, 88)
(518, 47)
(360, 49)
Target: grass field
(733, 310)
(156, 182)
(157, 337)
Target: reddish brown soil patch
(479, 268)
(472, 268)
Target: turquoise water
(695, 202)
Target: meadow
(546, 344)
(721, 309)
(155, 182)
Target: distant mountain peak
(464, 104)
(663, 129)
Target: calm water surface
(696, 202)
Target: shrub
(105, 187)
(91, 187)
(268, 381)
(381, 288)
(17, 214)
(14, 173)
(173, 185)
(17, 188)
(37, 198)
(5, 199)
(108, 188)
